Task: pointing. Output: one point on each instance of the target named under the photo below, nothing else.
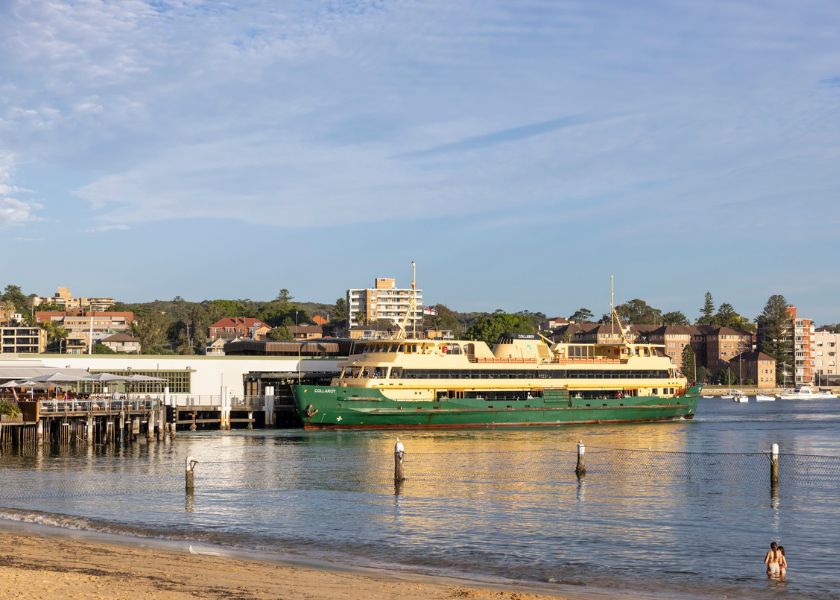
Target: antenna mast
(412, 305)
(612, 304)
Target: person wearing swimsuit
(782, 563)
(771, 559)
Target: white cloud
(12, 210)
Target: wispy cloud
(12, 210)
(832, 81)
(501, 136)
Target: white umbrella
(10, 384)
(60, 378)
(143, 378)
(108, 377)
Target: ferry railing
(494, 360)
(196, 400)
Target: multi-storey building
(724, 343)
(84, 329)
(384, 301)
(803, 348)
(755, 367)
(66, 302)
(826, 346)
(22, 340)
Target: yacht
(806, 393)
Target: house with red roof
(244, 328)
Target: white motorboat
(764, 398)
(741, 398)
(731, 394)
(806, 393)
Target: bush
(9, 408)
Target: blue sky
(520, 152)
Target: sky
(519, 152)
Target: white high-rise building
(385, 301)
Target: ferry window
(356, 372)
(396, 373)
(378, 372)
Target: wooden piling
(774, 465)
(580, 468)
(399, 455)
(189, 474)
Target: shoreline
(39, 561)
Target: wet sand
(34, 565)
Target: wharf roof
(304, 329)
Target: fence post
(189, 474)
(774, 465)
(580, 468)
(399, 454)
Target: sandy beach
(33, 565)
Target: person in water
(771, 559)
(782, 563)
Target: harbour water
(482, 504)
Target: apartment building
(67, 302)
(724, 343)
(84, 329)
(826, 345)
(22, 340)
(755, 366)
(803, 348)
(384, 301)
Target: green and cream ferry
(525, 380)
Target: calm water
(483, 504)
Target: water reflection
(494, 502)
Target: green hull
(328, 407)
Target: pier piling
(774, 466)
(189, 474)
(399, 455)
(580, 468)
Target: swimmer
(771, 559)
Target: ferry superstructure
(525, 380)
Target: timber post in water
(189, 474)
(774, 466)
(580, 468)
(399, 455)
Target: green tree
(726, 316)
(15, 296)
(444, 319)
(702, 375)
(707, 313)
(674, 317)
(338, 312)
(280, 334)
(689, 363)
(152, 330)
(489, 327)
(581, 315)
(56, 334)
(102, 349)
(776, 329)
(638, 312)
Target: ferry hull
(328, 407)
